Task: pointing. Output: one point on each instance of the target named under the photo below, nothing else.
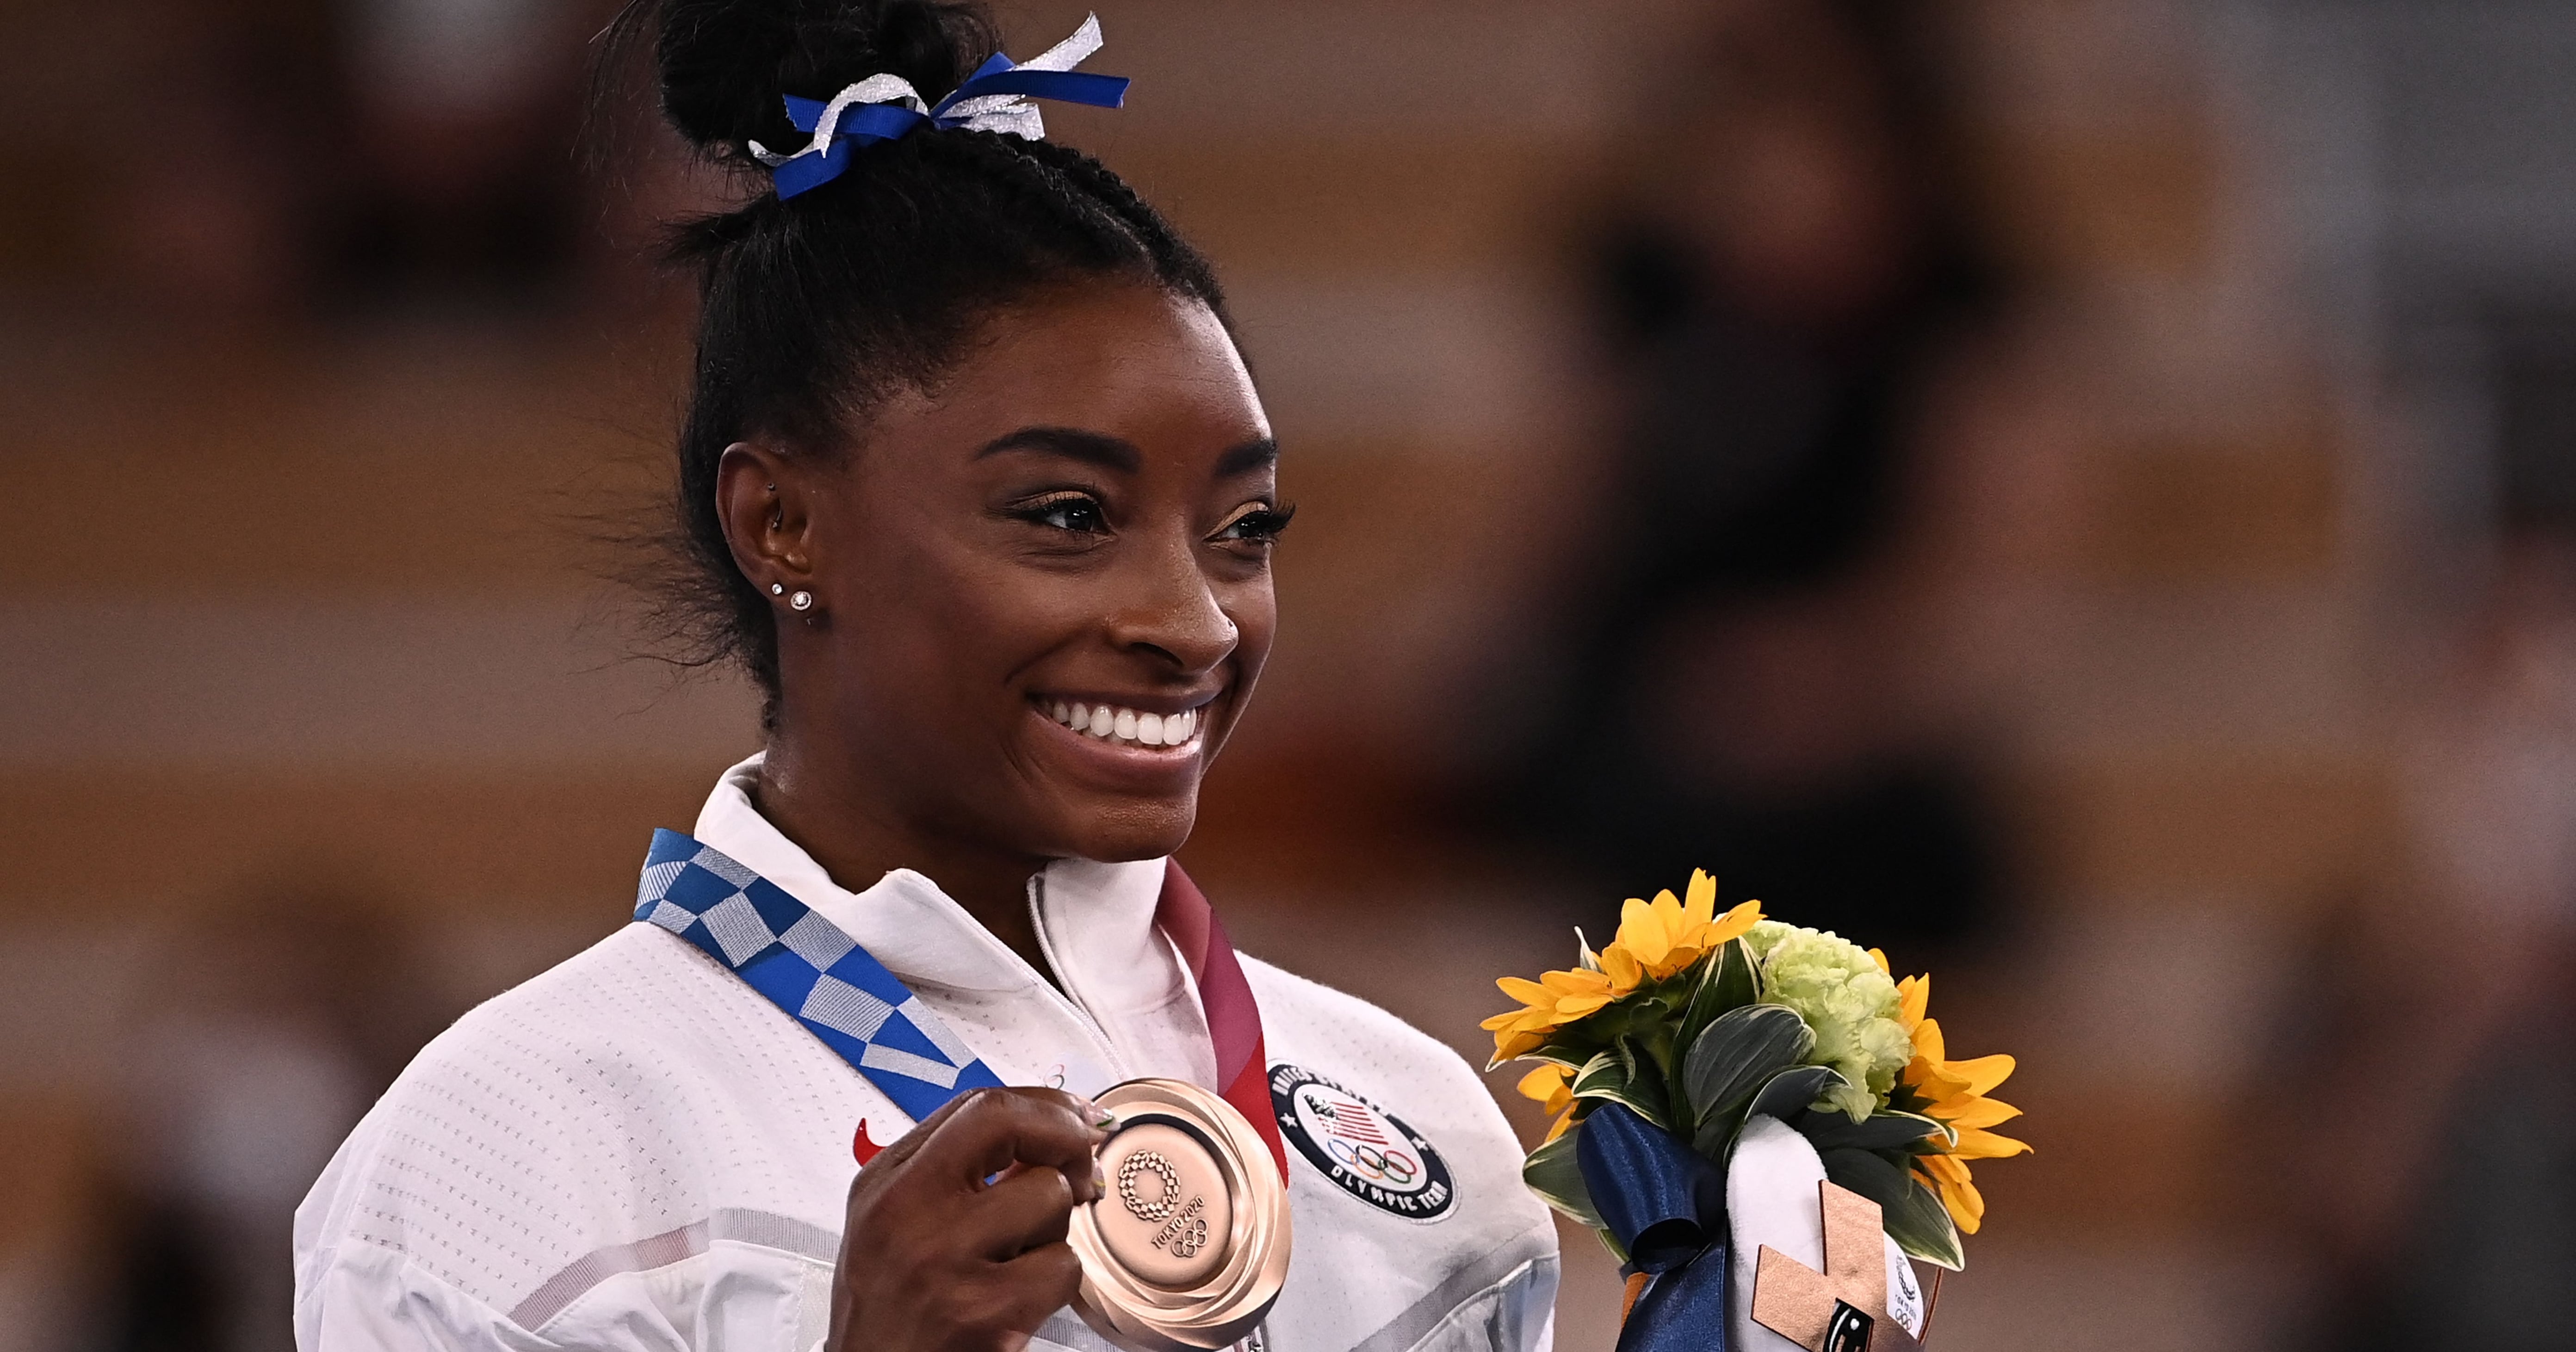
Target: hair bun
(725, 64)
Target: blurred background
(2079, 492)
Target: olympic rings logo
(1380, 1166)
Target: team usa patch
(1362, 1147)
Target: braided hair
(813, 311)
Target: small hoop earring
(778, 589)
(803, 600)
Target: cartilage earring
(778, 589)
(802, 600)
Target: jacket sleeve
(370, 1299)
(1516, 1314)
(729, 1298)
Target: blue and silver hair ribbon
(994, 98)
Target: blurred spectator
(266, 1031)
(276, 155)
(2435, 1165)
(1780, 282)
(463, 175)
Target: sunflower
(1656, 939)
(1954, 1094)
(1549, 1003)
(1660, 937)
(1548, 1085)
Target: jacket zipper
(1062, 987)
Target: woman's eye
(1077, 512)
(1261, 525)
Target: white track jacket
(636, 1150)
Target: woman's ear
(761, 498)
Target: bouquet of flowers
(1700, 1023)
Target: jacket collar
(1096, 920)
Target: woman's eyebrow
(1095, 448)
(1247, 457)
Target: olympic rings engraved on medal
(1149, 1161)
(1186, 1233)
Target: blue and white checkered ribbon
(807, 966)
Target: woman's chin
(1115, 833)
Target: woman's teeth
(1111, 723)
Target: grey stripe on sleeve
(1065, 1329)
(766, 1229)
(1528, 1263)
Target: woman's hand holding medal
(936, 1258)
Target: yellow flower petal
(1575, 982)
(1563, 1120)
(1542, 1083)
(1699, 901)
(1622, 968)
(1503, 1020)
(1648, 929)
(1959, 1196)
(1880, 958)
(1510, 1044)
(1913, 997)
(1572, 1007)
(1927, 1041)
(1527, 992)
(1980, 1112)
(1985, 1145)
(1983, 1073)
(1735, 924)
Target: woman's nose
(1173, 609)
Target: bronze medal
(1188, 1247)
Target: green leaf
(1605, 1072)
(1788, 1093)
(1740, 1052)
(1911, 1212)
(1719, 982)
(1878, 1131)
(1739, 980)
(1553, 1173)
(1554, 1055)
(1785, 1095)
(1610, 1241)
(1613, 1075)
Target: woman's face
(1042, 590)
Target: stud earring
(802, 600)
(778, 589)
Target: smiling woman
(976, 486)
(1081, 514)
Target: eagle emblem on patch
(1369, 1152)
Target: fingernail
(1096, 1115)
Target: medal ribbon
(809, 967)
(1233, 1020)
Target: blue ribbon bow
(1666, 1205)
(884, 107)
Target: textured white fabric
(636, 1150)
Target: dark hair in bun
(813, 310)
